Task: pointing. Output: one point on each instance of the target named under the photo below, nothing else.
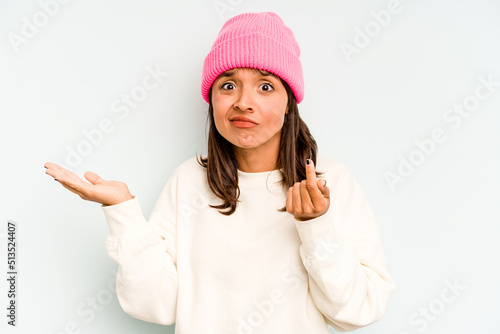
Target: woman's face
(256, 95)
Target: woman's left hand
(309, 198)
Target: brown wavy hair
(296, 145)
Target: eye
(227, 83)
(269, 87)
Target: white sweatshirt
(256, 271)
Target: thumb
(93, 178)
(321, 184)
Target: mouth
(243, 119)
(243, 122)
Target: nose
(245, 100)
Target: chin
(240, 145)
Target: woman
(247, 239)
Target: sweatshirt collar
(260, 179)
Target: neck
(253, 160)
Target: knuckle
(90, 193)
(310, 186)
(308, 210)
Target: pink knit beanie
(255, 40)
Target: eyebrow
(230, 73)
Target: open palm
(98, 190)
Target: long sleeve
(343, 255)
(146, 282)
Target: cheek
(274, 120)
(218, 108)
(279, 113)
(220, 121)
(277, 118)
(221, 103)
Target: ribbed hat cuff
(263, 52)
